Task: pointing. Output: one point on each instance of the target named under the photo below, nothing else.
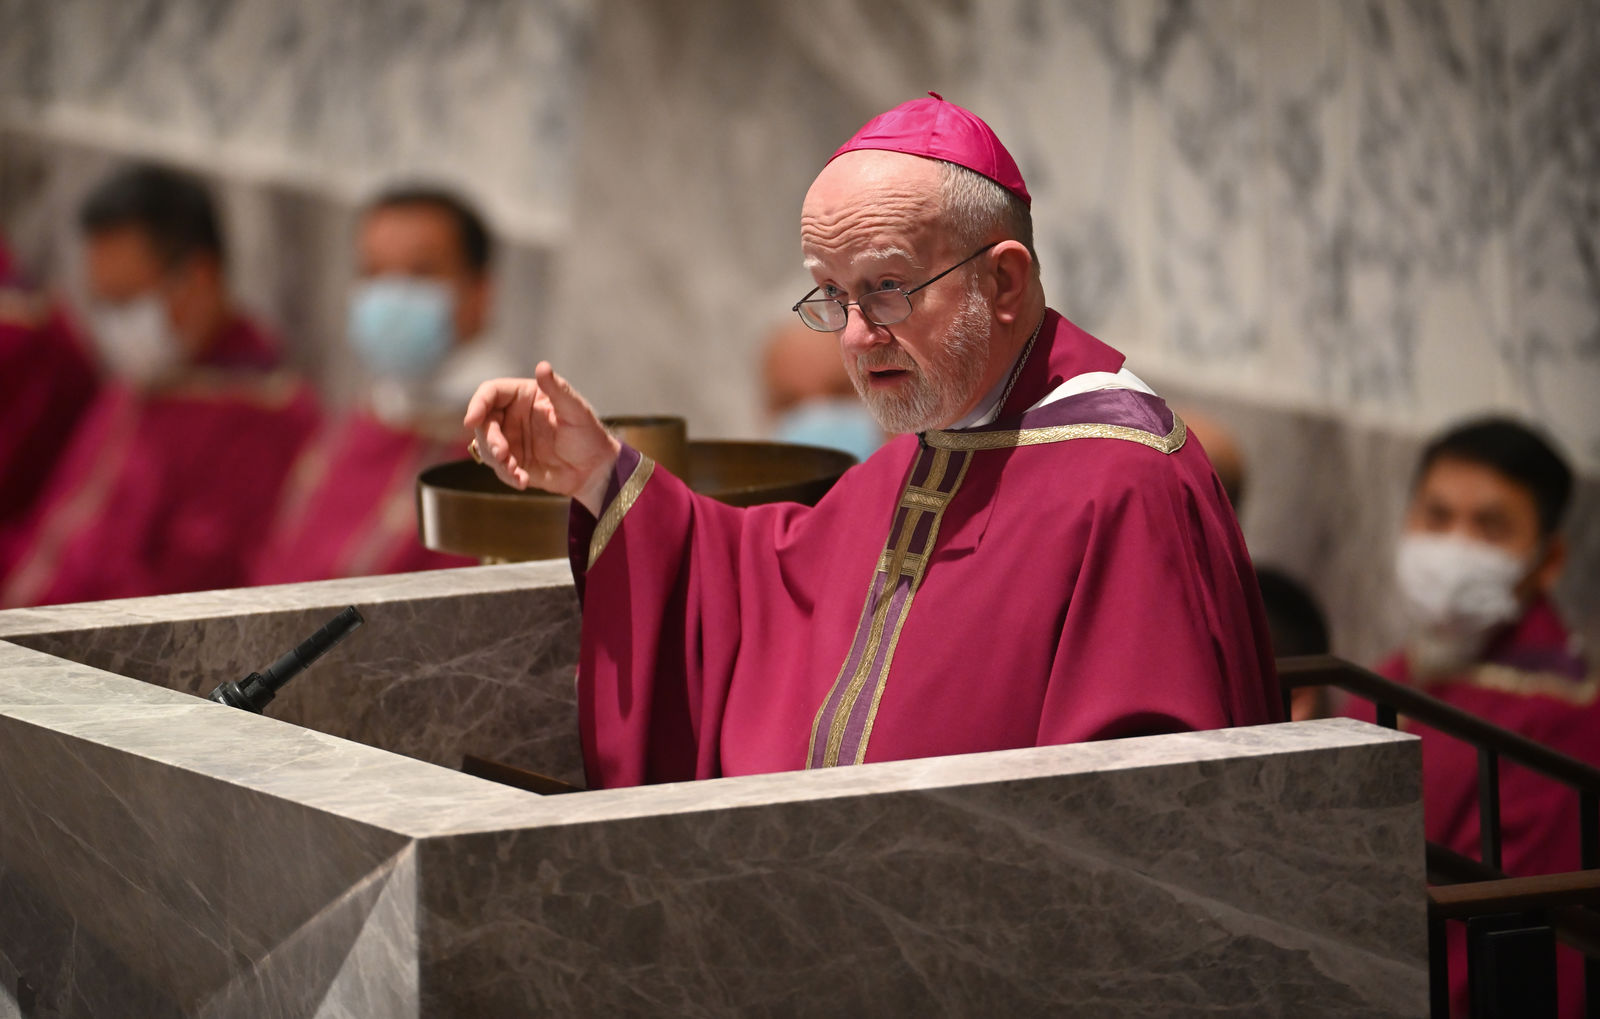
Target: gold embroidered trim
(911, 561)
(921, 498)
(896, 563)
(611, 519)
(1169, 443)
(1523, 683)
(905, 611)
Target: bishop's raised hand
(540, 432)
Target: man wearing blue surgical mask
(416, 320)
(420, 307)
(1479, 556)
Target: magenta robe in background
(168, 490)
(351, 508)
(1085, 580)
(47, 384)
(242, 344)
(1533, 681)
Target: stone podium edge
(422, 800)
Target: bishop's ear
(1013, 277)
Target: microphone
(255, 691)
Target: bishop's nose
(859, 336)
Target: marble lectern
(162, 855)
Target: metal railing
(1511, 911)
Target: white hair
(976, 210)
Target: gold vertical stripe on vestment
(896, 563)
(611, 519)
(905, 611)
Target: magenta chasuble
(1071, 572)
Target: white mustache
(880, 362)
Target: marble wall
(1373, 215)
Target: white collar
(987, 409)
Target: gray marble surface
(179, 857)
(157, 865)
(451, 662)
(1133, 879)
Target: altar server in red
(47, 380)
(1481, 552)
(1043, 555)
(167, 481)
(418, 322)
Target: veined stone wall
(1365, 217)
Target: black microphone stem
(257, 690)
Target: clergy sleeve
(1164, 630)
(658, 573)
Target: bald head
(889, 196)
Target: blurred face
(421, 242)
(122, 266)
(1472, 501)
(802, 364)
(869, 223)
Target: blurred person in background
(1480, 553)
(177, 464)
(47, 380)
(809, 396)
(156, 272)
(1294, 618)
(1298, 627)
(1227, 459)
(418, 319)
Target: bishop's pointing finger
(568, 405)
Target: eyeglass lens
(882, 307)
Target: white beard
(934, 395)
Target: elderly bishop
(1043, 555)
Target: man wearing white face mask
(157, 278)
(416, 320)
(1476, 564)
(170, 476)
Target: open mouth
(886, 376)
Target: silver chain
(1016, 373)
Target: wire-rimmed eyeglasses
(881, 307)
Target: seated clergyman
(1478, 558)
(1041, 556)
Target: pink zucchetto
(936, 129)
